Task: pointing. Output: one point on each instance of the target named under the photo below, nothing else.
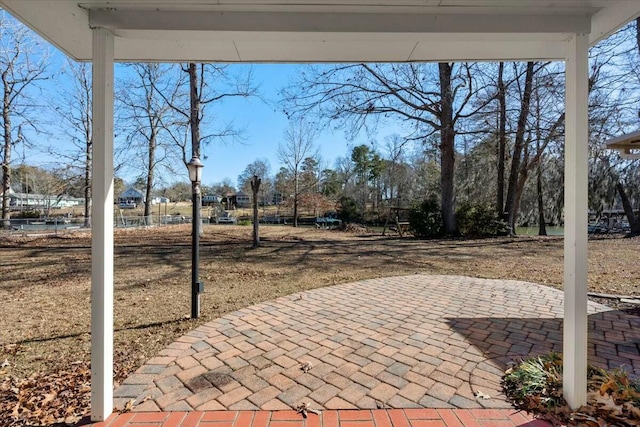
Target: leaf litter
(45, 289)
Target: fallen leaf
(481, 395)
(128, 407)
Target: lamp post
(195, 175)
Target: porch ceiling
(323, 30)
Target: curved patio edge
(407, 342)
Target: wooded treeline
(466, 133)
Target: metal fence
(44, 224)
(146, 221)
(62, 225)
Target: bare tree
(298, 144)
(74, 112)
(634, 221)
(502, 138)
(255, 188)
(520, 139)
(22, 65)
(519, 144)
(396, 170)
(207, 84)
(425, 99)
(262, 169)
(148, 115)
(259, 167)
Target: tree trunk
(255, 188)
(502, 140)
(447, 149)
(522, 180)
(364, 199)
(295, 200)
(6, 170)
(512, 197)
(194, 117)
(634, 221)
(150, 175)
(542, 226)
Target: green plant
(535, 385)
(244, 222)
(425, 219)
(348, 210)
(479, 220)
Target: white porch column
(575, 221)
(102, 228)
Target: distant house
(131, 196)
(158, 200)
(276, 198)
(241, 200)
(211, 199)
(22, 201)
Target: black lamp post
(195, 175)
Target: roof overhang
(324, 30)
(628, 145)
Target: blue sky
(263, 125)
(263, 122)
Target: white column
(575, 221)
(102, 228)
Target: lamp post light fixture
(195, 175)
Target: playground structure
(397, 220)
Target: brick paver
(328, 418)
(400, 342)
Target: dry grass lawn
(45, 281)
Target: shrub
(245, 222)
(348, 210)
(479, 220)
(425, 219)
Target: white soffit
(628, 145)
(324, 30)
(630, 140)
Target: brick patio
(331, 418)
(403, 342)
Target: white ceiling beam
(181, 20)
(499, 50)
(609, 20)
(332, 50)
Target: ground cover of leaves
(535, 386)
(45, 291)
